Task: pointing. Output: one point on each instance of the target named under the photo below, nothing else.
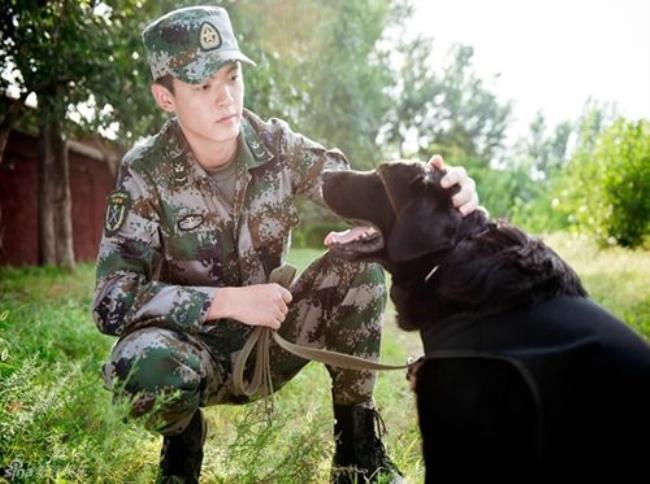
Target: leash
(260, 340)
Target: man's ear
(163, 97)
(422, 227)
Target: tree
(415, 89)
(67, 53)
(450, 112)
(543, 154)
(323, 68)
(327, 69)
(608, 183)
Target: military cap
(191, 43)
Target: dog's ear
(423, 226)
(402, 180)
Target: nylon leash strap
(260, 340)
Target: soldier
(201, 214)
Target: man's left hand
(466, 200)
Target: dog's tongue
(348, 235)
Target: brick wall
(90, 181)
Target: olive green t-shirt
(223, 179)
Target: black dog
(524, 378)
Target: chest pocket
(194, 245)
(194, 257)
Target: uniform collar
(251, 151)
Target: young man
(201, 214)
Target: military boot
(360, 455)
(182, 455)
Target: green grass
(618, 278)
(57, 423)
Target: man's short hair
(166, 81)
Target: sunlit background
(551, 55)
(545, 103)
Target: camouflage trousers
(166, 375)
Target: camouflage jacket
(169, 242)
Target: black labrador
(524, 378)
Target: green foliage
(52, 424)
(638, 316)
(70, 52)
(465, 113)
(540, 153)
(608, 184)
(414, 90)
(511, 193)
(499, 189)
(321, 68)
(538, 173)
(450, 111)
(541, 214)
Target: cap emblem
(209, 37)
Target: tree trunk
(62, 200)
(55, 220)
(46, 239)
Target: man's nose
(224, 95)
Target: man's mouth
(227, 118)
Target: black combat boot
(182, 455)
(360, 455)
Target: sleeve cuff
(208, 294)
(192, 310)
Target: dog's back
(562, 387)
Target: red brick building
(92, 177)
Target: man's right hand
(255, 305)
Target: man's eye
(234, 77)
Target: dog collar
(431, 273)
(435, 268)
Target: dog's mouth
(360, 240)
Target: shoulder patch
(119, 203)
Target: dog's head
(404, 201)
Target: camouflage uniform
(169, 243)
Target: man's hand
(255, 305)
(466, 200)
